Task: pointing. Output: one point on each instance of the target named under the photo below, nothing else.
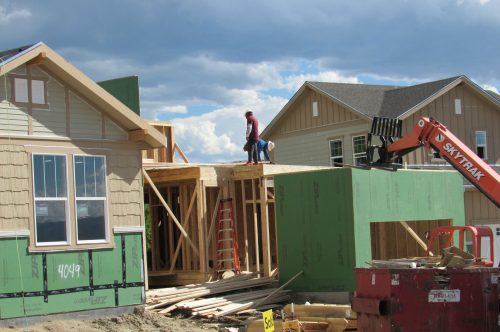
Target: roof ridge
(451, 79)
(355, 84)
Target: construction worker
(252, 136)
(263, 146)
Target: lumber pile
(219, 298)
(332, 318)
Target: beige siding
(114, 132)
(14, 188)
(13, 120)
(51, 122)
(477, 114)
(125, 188)
(85, 121)
(300, 115)
(479, 210)
(312, 147)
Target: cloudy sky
(202, 64)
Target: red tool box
(427, 299)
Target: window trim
(358, 154)
(29, 80)
(330, 150)
(67, 199)
(485, 143)
(106, 202)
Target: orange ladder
(227, 242)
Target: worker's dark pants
(252, 150)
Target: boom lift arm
(431, 134)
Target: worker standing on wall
(263, 146)
(252, 136)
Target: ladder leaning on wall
(227, 257)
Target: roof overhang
(48, 59)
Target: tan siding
(125, 188)
(311, 147)
(477, 114)
(13, 120)
(85, 121)
(51, 122)
(479, 210)
(14, 188)
(114, 132)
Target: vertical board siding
(51, 122)
(477, 114)
(300, 117)
(125, 188)
(14, 188)
(85, 121)
(479, 210)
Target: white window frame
(330, 150)
(66, 206)
(485, 145)
(105, 199)
(315, 109)
(355, 154)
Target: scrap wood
(320, 310)
(334, 324)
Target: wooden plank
(170, 230)
(171, 175)
(202, 217)
(154, 232)
(255, 228)
(172, 215)
(415, 236)
(245, 226)
(183, 156)
(264, 225)
(137, 135)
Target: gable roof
(57, 65)
(388, 101)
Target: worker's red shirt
(254, 133)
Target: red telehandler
(431, 134)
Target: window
(51, 199)
(315, 108)
(336, 156)
(22, 86)
(481, 145)
(458, 106)
(359, 148)
(90, 195)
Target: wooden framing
(193, 194)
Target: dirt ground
(136, 322)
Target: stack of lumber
(235, 294)
(339, 318)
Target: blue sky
(202, 64)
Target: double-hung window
(336, 154)
(51, 199)
(90, 196)
(359, 149)
(30, 91)
(481, 145)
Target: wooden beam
(39, 59)
(172, 215)
(264, 225)
(137, 135)
(214, 215)
(201, 215)
(183, 156)
(256, 228)
(245, 227)
(415, 236)
(185, 223)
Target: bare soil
(136, 322)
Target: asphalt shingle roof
(4, 55)
(382, 100)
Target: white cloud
(490, 87)
(182, 109)
(294, 82)
(9, 17)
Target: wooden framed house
(71, 189)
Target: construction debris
(236, 294)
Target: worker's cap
(270, 146)
(248, 113)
